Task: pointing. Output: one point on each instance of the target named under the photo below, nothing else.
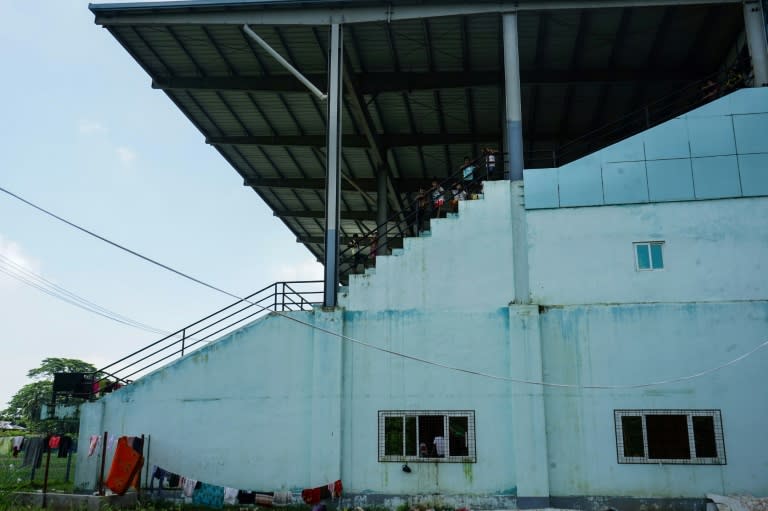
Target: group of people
(740, 74)
(434, 202)
(437, 202)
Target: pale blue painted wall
(230, 412)
(716, 151)
(626, 344)
(277, 405)
(713, 251)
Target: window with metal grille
(648, 255)
(669, 436)
(421, 435)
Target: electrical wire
(25, 276)
(400, 354)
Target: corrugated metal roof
(432, 88)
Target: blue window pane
(656, 259)
(643, 258)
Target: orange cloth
(126, 465)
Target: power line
(117, 245)
(25, 276)
(396, 353)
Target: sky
(83, 135)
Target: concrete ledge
(70, 501)
(607, 503)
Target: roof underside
(422, 94)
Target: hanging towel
(245, 497)
(209, 495)
(282, 498)
(312, 496)
(230, 496)
(6, 446)
(65, 445)
(93, 441)
(126, 464)
(33, 452)
(18, 442)
(189, 486)
(54, 441)
(263, 499)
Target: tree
(50, 366)
(24, 407)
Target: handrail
(403, 221)
(660, 110)
(677, 102)
(279, 296)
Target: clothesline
(215, 496)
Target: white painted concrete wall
(630, 344)
(230, 413)
(714, 250)
(466, 263)
(377, 381)
(278, 405)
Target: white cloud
(308, 269)
(13, 251)
(89, 127)
(125, 155)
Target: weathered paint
(713, 251)
(277, 405)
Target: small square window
(648, 255)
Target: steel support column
(382, 211)
(514, 116)
(754, 26)
(333, 167)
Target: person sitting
(437, 193)
(467, 172)
(357, 254)
(458, 195)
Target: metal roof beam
(374, 83)
(286, 140)
(345, 215)
(297, 13)
(343, 240)
(308, 183)
(361, 141)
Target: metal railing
(678, 102)
(674, 104)
(276, 297)
(417, 213)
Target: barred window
(693, 437)
(420, 435)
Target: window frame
(471, 457)
(719, 437)
(648, 245)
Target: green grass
(17, 478)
